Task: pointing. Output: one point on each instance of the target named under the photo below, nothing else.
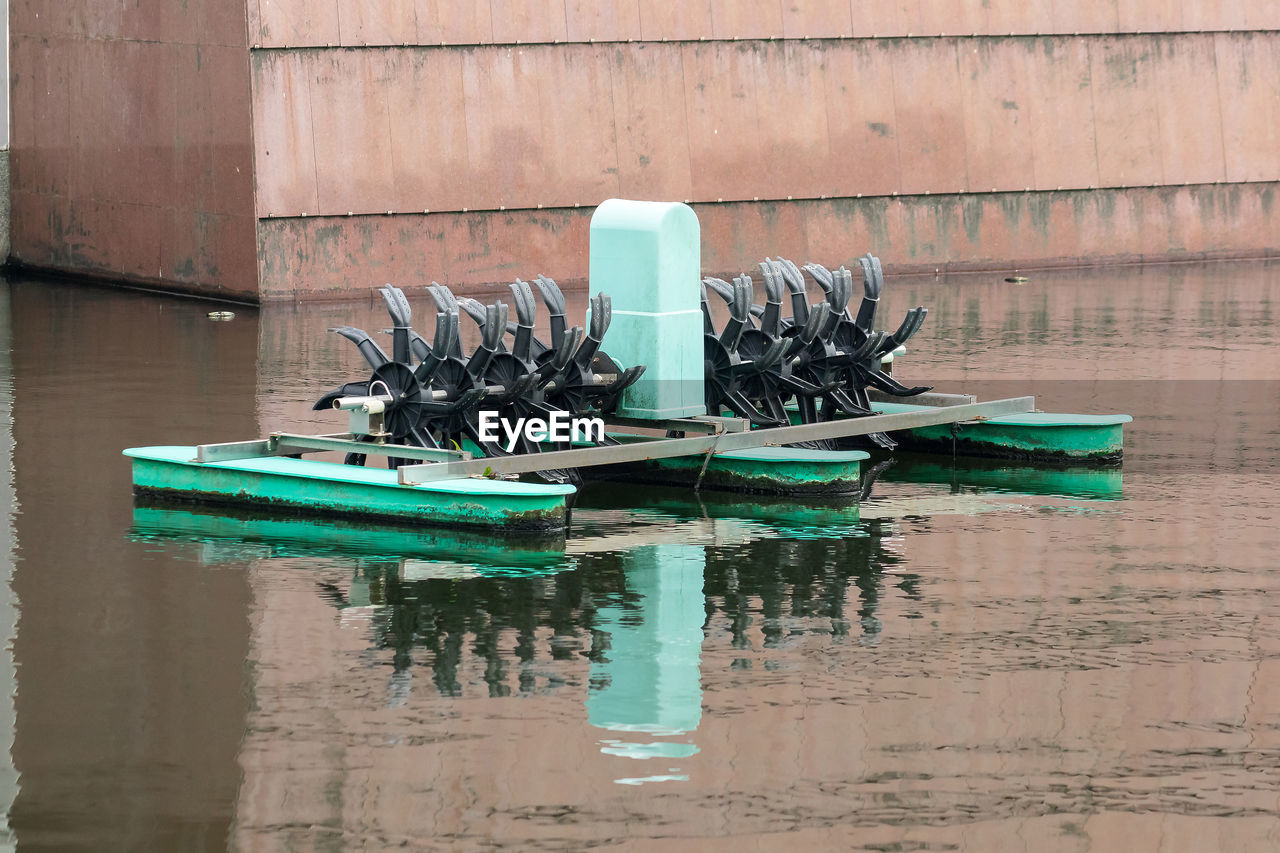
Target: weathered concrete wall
(407, 129)
(344, 257)
(361, 141)
(131, 153)
(473, 164)
(320, 23)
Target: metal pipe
(377, 403)
(371, 405)
(439, 395)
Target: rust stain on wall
(1128, 121)
(1191, 129)
(587, 20)
(1249, 85)
(997, 110)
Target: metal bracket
(698, 423)
(723, 424)
(669, 424)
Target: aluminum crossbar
(926, 399)
(666, 448)
(291, 444)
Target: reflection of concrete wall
(468, 143)
(4, 204)
(131, 696)
(1084, 325)
(8, 598)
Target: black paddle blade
(351, 389)
(372, 353)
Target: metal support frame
(291, 444)
(721, 441)
(718, 435)
(699, 423)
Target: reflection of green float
(1084, 481)
(641, 606)
(756, 516)
(653, 515)
(298, 537)
(646, 690)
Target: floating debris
(1017, 279)
(221, 315)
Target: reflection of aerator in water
(977, 474)
(636, 613)
(646, 686)
(290, 536)
(632, 604)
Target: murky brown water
(979, 658)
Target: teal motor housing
(647, 255)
